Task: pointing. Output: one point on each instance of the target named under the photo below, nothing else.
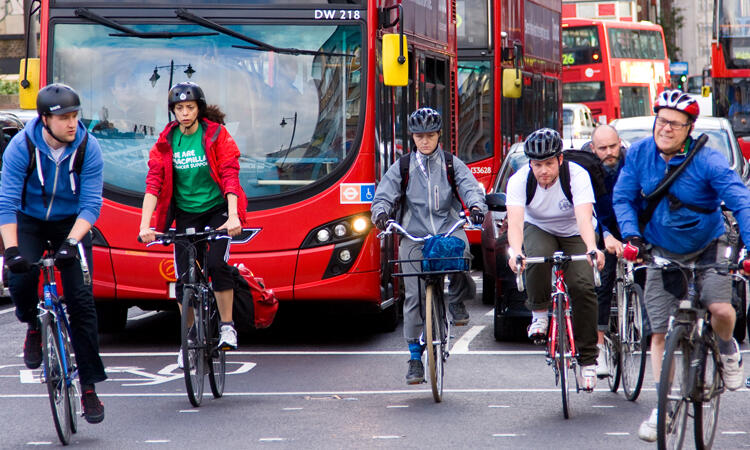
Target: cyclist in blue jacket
(687, 226)
(56, 203)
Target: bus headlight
(345, 256)
(323, 235)
(337, 231)
(360, 224)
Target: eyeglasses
(672, 124)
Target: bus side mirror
(27, 95)
(395, 60)
(705, 91)
(495, 202)
(511, 83)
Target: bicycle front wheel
(709, 388)
(54, 375)
(632, 342)
(435, 339)
(673, 395)
(193, 346)
(217, 358)
(563, 357)
(74, 396)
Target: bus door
(433, 92)
(634, 101)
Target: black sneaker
(458, 311)
(93, 410)
(32, 349)
(415, 375)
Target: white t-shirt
(550, 210)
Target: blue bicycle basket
(441, 248)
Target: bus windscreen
(581, 46)
(636, 44)
(734, 32)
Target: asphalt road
(321, 379)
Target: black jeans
(604, 292)
(33, 235)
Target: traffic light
(681, 84)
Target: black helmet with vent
(543, 144)
(425, 120)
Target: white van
(577, 121)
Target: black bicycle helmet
(542, 144)
(57, 98)
(425, 120)
(186, 91)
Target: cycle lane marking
(462, 344)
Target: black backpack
(589, 161)
(78, 155)
(450, 172)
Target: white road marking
(292, 409)
(602, 406)
(144, 315)
(39, 443)
(498, 406)
(6, 311)
(189, 411)
(490, 313)
(397, 406)
(387, 437)
(328, 353)
(272, 439)
(506, 435)
(734, 432)
(157, 441)
(462, 345)
(618, 433)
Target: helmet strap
(49, 131)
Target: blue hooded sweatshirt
(705, 183)
(61, 201)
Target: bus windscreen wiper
(259, 45)
(129, 32)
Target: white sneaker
(588, 377)
(733, 374)
(602, 365)
(538, 327)
(647, 430)
(227, 338)
(180, 363)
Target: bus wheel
(111, 317)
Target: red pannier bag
(254, 305)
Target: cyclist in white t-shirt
(549, 223)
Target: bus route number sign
(337, 14)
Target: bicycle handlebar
(556, 259)
(168, 238)
(662, 262)
(393, 225)
(48, 259)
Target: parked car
(718, 130)
(498, 281)
(577, 122)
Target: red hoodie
(223, 161)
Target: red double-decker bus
(616, 68)
(492, 37)
(302, 88)
(730, 66)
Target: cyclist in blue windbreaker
(44, 197)
(430, 207)
(686, 226)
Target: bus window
(475, 106)
(634, 101)
(635, 44)
(581, 46)
(588, 91)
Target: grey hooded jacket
(431, 207)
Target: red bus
(616, 68)
(730, 65)
(301, 84)
(492, 37)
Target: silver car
(718, 130)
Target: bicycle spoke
(672, 395)
(54, 373)
(709, 388)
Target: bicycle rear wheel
(672, 395)
(193, 348)
(632, 342)
(217, 358)
(74, 397)
(563, 359)
(54, 374)
(434, 339)
(709, 388)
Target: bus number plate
(481, 170)
(337, 14)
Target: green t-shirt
(194, 189)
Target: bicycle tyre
(709, 387)
(54, 374)
(633, 351)
(673, 404)
(216, 357)
(193, 353)
(562, 354)
(74, 396)
(434, 342)
(612, 353)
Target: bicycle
(626, 341)
(692, 371)
(436, 334)
(59, 370)
(561, 351)
(199, 329)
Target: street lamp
(189, 71)
(282, 124)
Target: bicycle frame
(561, 291)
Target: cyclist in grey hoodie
(430, 207)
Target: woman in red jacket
(193, 180)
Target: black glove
(477, 216)
(381, 220)
(638, 244)
(66, 255)
(16, 263)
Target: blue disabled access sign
(678, 68)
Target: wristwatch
(72, 242)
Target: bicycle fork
(560, 291)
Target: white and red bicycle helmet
(679, 101)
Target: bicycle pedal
(539, 339)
